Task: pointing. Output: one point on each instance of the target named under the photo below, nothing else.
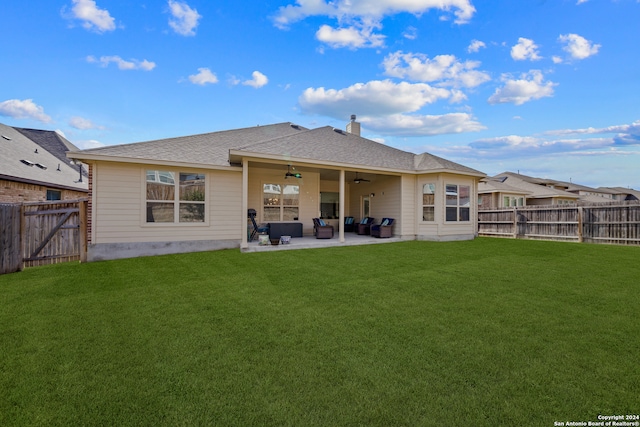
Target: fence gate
(10, 250)
(53, 232)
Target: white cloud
(422, 125)
(581, 1)
(525, 49)
(475, 46)
(94, 18)
(577, 46)
(445, 69)
(374, 98)
(351, 37)
(556, 59)
(463, 9)
(133, 64)
(185, 19)
(204, 76)
(82, 123)
(360, 17)
(23, 109)
(410, 33)
(87, 144)
(528, 87)
(257, 81)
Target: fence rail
(42, 233)
(609, 223)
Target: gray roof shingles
(324, 144)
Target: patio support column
(341, 223)
(244, 243)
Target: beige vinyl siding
(454, 228)
(387, 200)
(408, 214)
(120, 207)
(440, 229)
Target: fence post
(82, 216)
(515, 223)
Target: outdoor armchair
(383, 229)
(364, 227)
(322, 230)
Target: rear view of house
(193, 193)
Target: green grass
(479, 333)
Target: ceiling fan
(358, 180)
(292, 174)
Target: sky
(545, 88)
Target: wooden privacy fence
(43, 233)
(615, 224)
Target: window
(329, 205)
(280, 202)
(169, 199)
(54, 195)
(458, 202)
(428, 202)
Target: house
(508, 189)
(495, 193)
(621, 193)
(193, 193)
(34, 167)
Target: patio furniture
(322, 230)
(349, 223)
(257, 228)
(279, 229)
(364, 227)
(383, 229)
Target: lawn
(479, 333)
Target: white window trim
(176, 201)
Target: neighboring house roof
(53, 142)
(538, 190)
(284, 142)
(23, 160)
(630, 193)
(498, 186)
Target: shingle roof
(204, 149)
(285, 141)
(537, 190)
(53, 142)
(15, 147)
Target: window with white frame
(458, 202)
(280, 202)
(174, 197)
(428, 202)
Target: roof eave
(86, 157)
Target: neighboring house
(621, 193)
(536, 191)
(495, 193)
(510, 189)
(192, 193)
(34, 167)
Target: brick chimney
(353, 126)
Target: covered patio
(310, 242)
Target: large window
(280, 202)
(171, 200)
(428, 202)
(329, 205)
(458, 202)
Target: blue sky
(548, 88)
